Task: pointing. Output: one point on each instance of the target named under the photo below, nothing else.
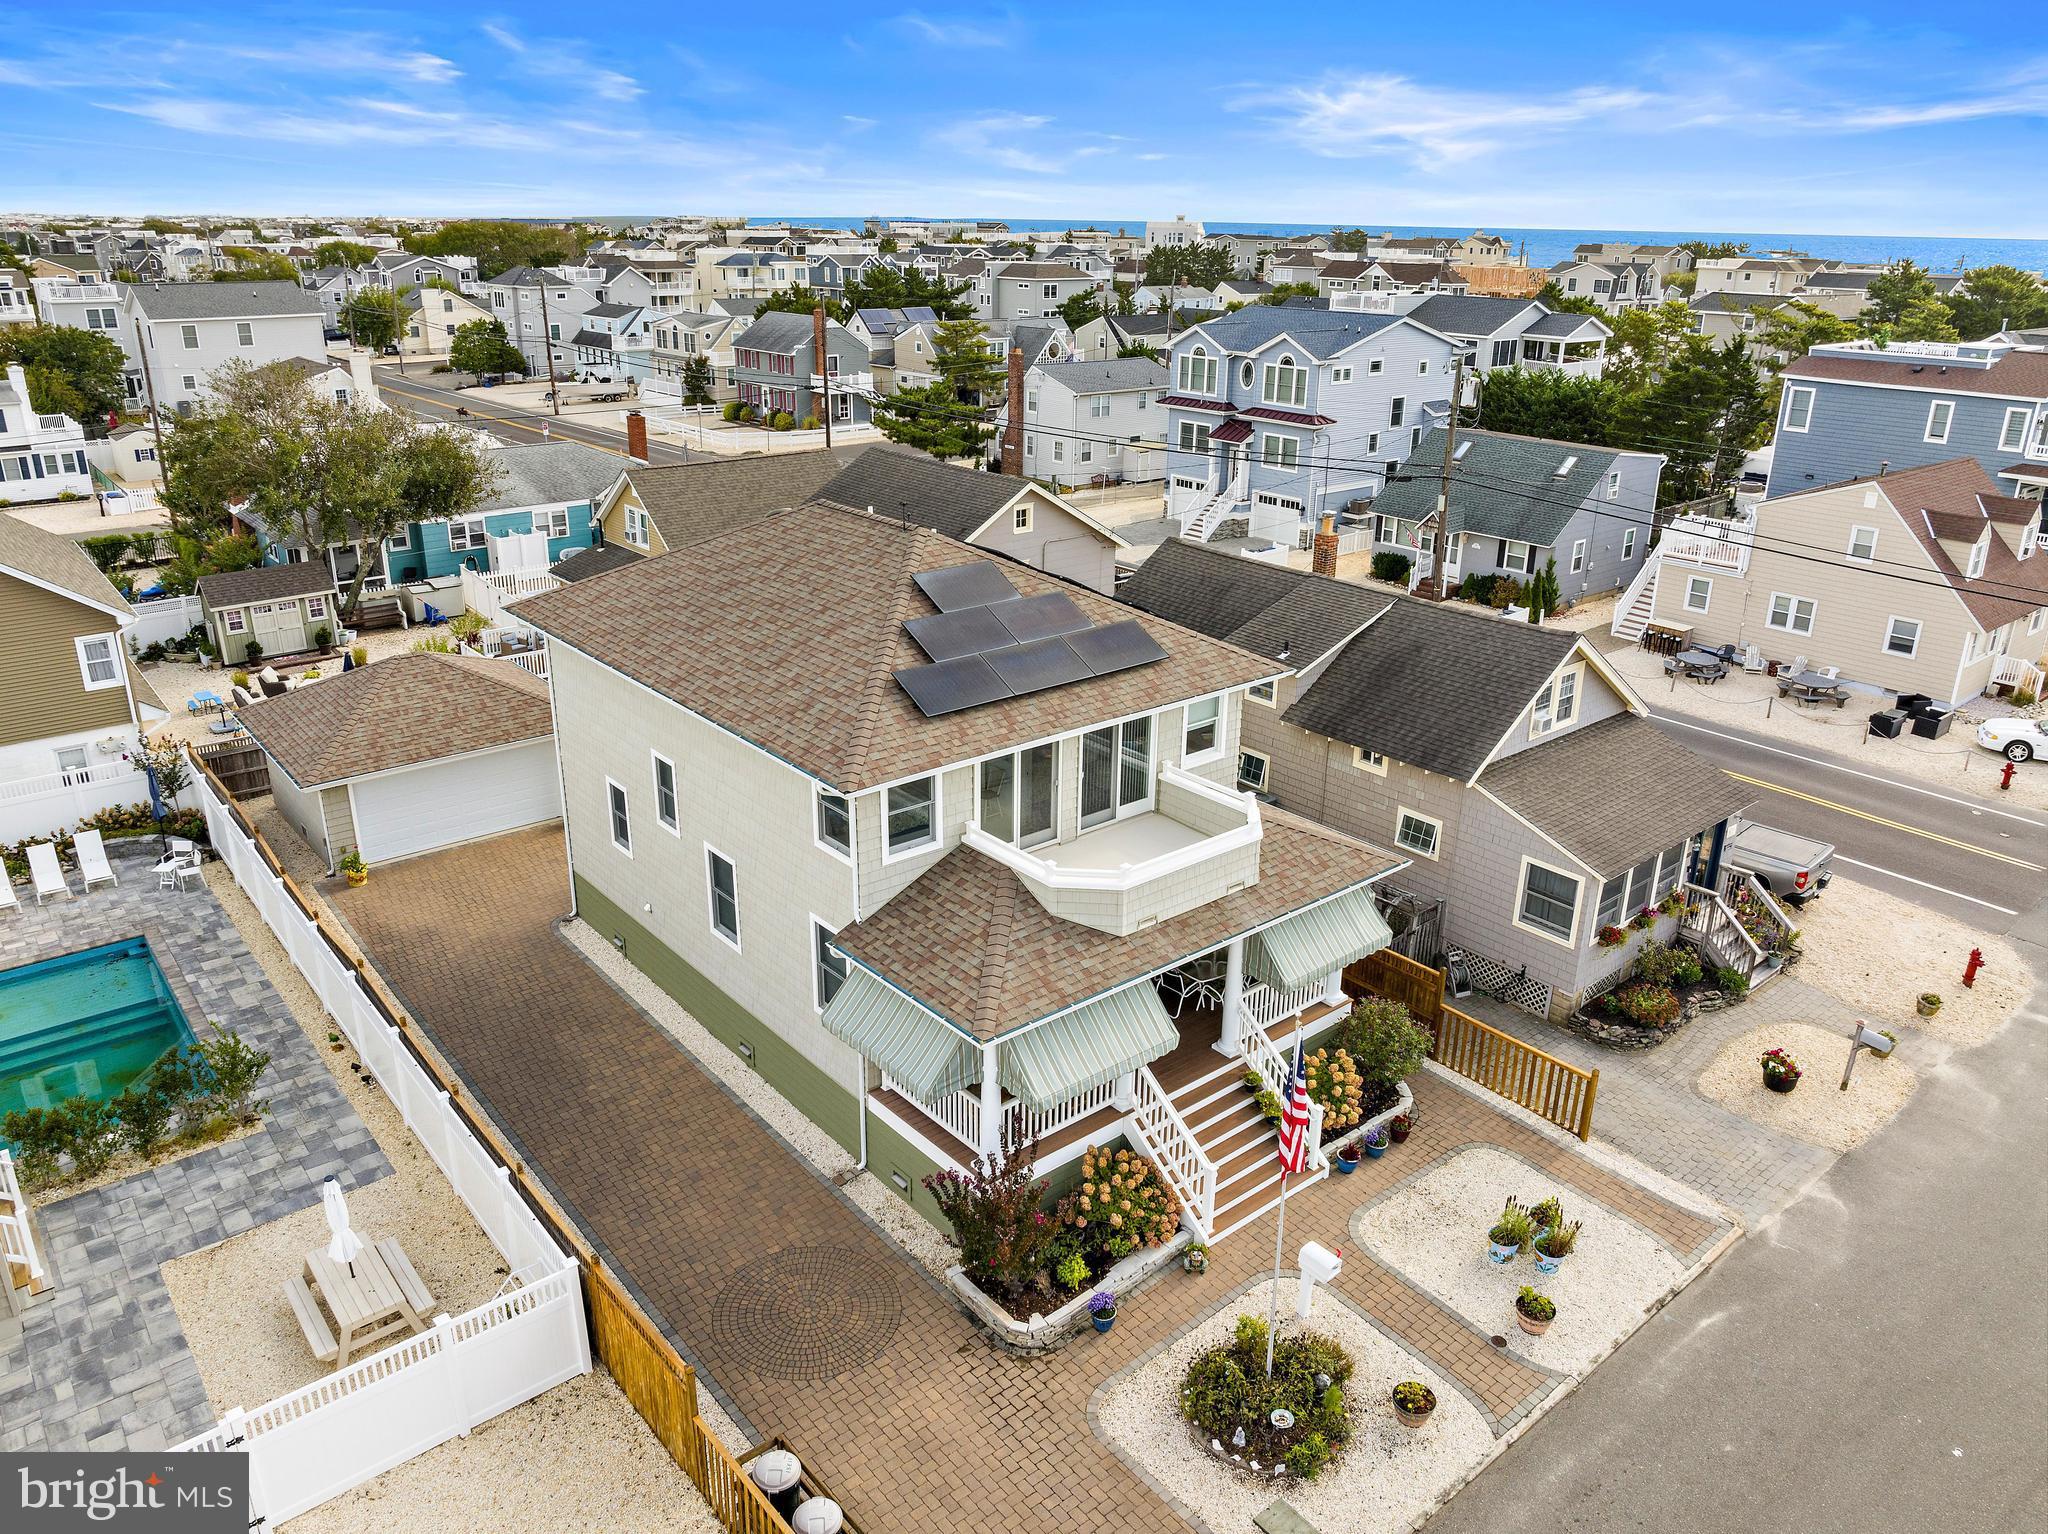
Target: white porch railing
(531, 654)
(2012, 671)
(17, 1241)
(1719, 543)
(487, 595)
(1164, 1136)
(959, 1113)
(1275, 1067)
(1264, 1006)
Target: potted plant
(1612, 937)
(1508, 1233)
(1195, 1259)
(1413, 1402)
(1400, 1126)
(1376, 1141)
(1929, 1004)
(1534, 1312)
(1554, 1245)
(1543, 1215)
(354, 869)
(1102, 1309)
(1781, 1071)
(1347, 1157)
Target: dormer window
(1198, 371)
(2029, 535)
(1979, 552)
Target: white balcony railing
(487, 595)
(959, 1113)
(17, 1241)
(1721, 543)
(12, 789)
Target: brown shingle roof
(2019, 374)
(1615, 792)
(786, 631)
(54, 561)
(690, 502)
(265, 583)
(1955, 500)
(969, 941)
(399, 712)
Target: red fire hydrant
(2005, 777)
(1970, 970)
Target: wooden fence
(1548, 1087)
(239, 766)
(653, 1376)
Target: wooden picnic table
(1812, 687)
(369, 1299)
(1699, 665)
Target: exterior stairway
(1223, 1115)
(1202, 525)
(1634, 608)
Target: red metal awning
(1231, 431)
(1196, 402)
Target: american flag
(1294, 1121)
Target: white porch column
(1231, 1043)
(1126, 1092)
(991, 1145)
(1333, 988)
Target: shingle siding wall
(42, 690)
(1856, 429)
(1597, 701)
(1485, 891)
(1057, 543)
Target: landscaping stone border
(1043, 1334)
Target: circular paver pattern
(809, 1312)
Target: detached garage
(409, 755)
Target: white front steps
(1223, 1115)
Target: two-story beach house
(1091, 422)
(1276, 415)
(949, 850)
(190, 329)
(776, 368)
(42, 457)
(1513, 767)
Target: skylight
(1566, 467)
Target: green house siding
(891, 1156)
(430, 555)
(823, 1101)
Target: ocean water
(1546, 247)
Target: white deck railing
(1164, 1136)
(959, 1113)
(17, 1241)
(1264, 1006)
(487, 595)
(531, 656)
(315, 1443)
(1719, 543)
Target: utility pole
(824, 372)
(1439, 538)
(547, 339)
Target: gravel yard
(1432, 1232)
(176, 684)
(1388, 1479)
(1815, 1111)
(1878, 953)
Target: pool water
(84, 1024)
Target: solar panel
(1041, 617)
(948, 686)
(1116, 647)
(1036, 666)
(969, 631)
(959, 586)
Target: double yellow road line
(1893, 825)
(485, 415)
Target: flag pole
(1279, 1243)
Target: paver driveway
(811, 1325)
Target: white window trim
(1570, 939)
(1891, 623)
(2005, 430)
(1979, 552)
(711, 904)
(1403, 813)
(817, 818)
(235, 620)
(113, 644)
(1578, 555)
(1698, 580)
(1770, 621)
(1850, 553)
(1215, 752)
(1543, 718)
(1265, 761)
(817, 926)
(1369, 761)
(922, 849)
(1628, 543)
(1948, 424)
(1272, 697)
(654, 781)
(611, 830)
(1790, 396)
(1020, 517)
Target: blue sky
(1933, 122)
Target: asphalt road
(1874, 1360)
(507, 422)
(1969, 858)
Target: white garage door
(448, 802)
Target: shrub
(1226, 1390)
(92, 1134)
(1335, 1082)
(1537, 1307)
(782, 420)
(1386, 1046)
(1644, 1002)
(1478, 588)
(239, 679)
(232, 1071)
(998, 1220)
(252, 652)
(1733, 981)
(323, 636)
(1308, 1456)
(1072, 1271)
(2023, 697)
(434, 644)
(1668, 964)
(360, 655)
(145, 1114)
(1389, 566)
(810, 423)
(1513, 1227)
(731, 412)
(39, 1137)
(1506, 593)
(1121, 1204)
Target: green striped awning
(1311, 943)
(1088, 1047)
(927, 1055)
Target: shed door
(444, 803)
(276, 626)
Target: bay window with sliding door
(1116, 771)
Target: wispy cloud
(1013, 141)
(1384, 114)
(358, 54)
(954, 33)
(858, 124)
(562, 60)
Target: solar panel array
(988, 641)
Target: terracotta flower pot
(1412, 1419)
(1533, 1328)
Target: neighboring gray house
(1276, 415)
(776, 368)
(1517, 501)
(189, 329)
(1087, 422)
(1028, 290)
(403, 269)
(1517, 771)
(1515, 333)
(537, 307)
(1856, 408)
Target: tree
(1704, 411)
(1286, 290)
(1555, 299)
(1715, 250)
(798, 299)
(1925, 319)
(1994, 298)
(257, 266)
(1550, 403)
(961, 356)
(1796, 327)
(500, 244)
(1643, 339)
(887, 246)
(343, 253)
(1139, 349)
(192, 561)
(883, 287)
(481, 347)
(71, 372)
(1682, 283)
(1541, 593)
(373, 317)
(1199, 266)
(1895, 290)
(1081, 308)
(1353, 241)
(933, 419)
(697, 380)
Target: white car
(2017, 740)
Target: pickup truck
(1792, 868)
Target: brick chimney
(1013, 428)
(636, 435)
(1323, 561)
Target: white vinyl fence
(383, 1410)
(39, 806)
(161, 620)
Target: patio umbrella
(346, 1242)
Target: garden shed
(282, 609)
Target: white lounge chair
(91, 852)
(9, 901)
(42, 867)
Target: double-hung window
(1792, 615)
(245, 333)
(555, 522)
(1798, 409)
(1978, 553)
(1280, 452)
(1863, 544)
(1941, 415)
(724, 890)
(621, 822)
(1194, 436)
(1285, 383)
(1902, 637)
(466, 533)
(1549, 900)
(828, 966)
(913, 816)
(666, 809)
(1197, 373)
(835, 823)
(188, 337)
(98, 664)
(636, 526)
(1578, 555)
(1557, 704)
(2013, 435)
(1397, 409)
(1202, 734)
(1699, 593)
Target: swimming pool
(84, 1024)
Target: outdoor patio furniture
(373, 1295)
(43, 869)
(1811, 687)
(9, 901)
(1702, 666)
(206, 697)
(91, 852)
(178, 865)
(1662, 638)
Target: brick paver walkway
(914, 1419)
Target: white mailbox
(1319, 1265)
